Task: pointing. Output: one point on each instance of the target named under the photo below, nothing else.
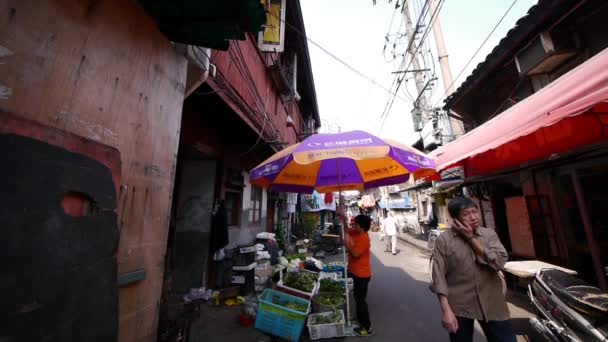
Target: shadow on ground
(402, 307)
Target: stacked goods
(246, 280)
(244, 256)
(263, 271)
(243, 269)
(330, 297)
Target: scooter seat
(576, 293)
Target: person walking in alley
(465, 276)
(358, 246)
(389, 227)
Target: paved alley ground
(401, 305)
(404, 309)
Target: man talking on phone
(466, 263)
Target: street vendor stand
(353, 160)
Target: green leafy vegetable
(329, 318)
(330, 286)
(302, 281)
(332, 300)
(296, 256)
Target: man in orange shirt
(359, 266)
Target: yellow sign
(272, 38)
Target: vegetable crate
(294, 292)
(275, 318)
(328, 330)
(328, 275)
(338, 269)
(319, 306)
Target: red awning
(569, 113)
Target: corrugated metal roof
(520, 34)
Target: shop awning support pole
(343, 247)
(593, 248)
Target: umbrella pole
(348, 320)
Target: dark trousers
(360, 292)
(495, 331)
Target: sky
(355, 30)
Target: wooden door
(520, 230)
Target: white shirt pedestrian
(389, 227)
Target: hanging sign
(272, 38)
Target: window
(233, 207)
(255, 212)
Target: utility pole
(446, 73)
(422, 102)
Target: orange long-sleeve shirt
(360, 266)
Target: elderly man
(389, 227)
(465, 276)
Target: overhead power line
(398, 80)
(338, 59)
(478, 49)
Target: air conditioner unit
(543, 55)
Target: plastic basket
(338, 269)
(248, 249)
(328, 275)
(246, 280)
(294, 292)
(319, 331)
(264, 270)
(243, 259)
(275, 319)
(317, 307)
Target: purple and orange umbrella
(353, 160)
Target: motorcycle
(568, 308)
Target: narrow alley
(401, 306)
(197, 170)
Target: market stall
(329, 163)
(305, 296)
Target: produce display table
(281, 311)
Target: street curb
(416, 246)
